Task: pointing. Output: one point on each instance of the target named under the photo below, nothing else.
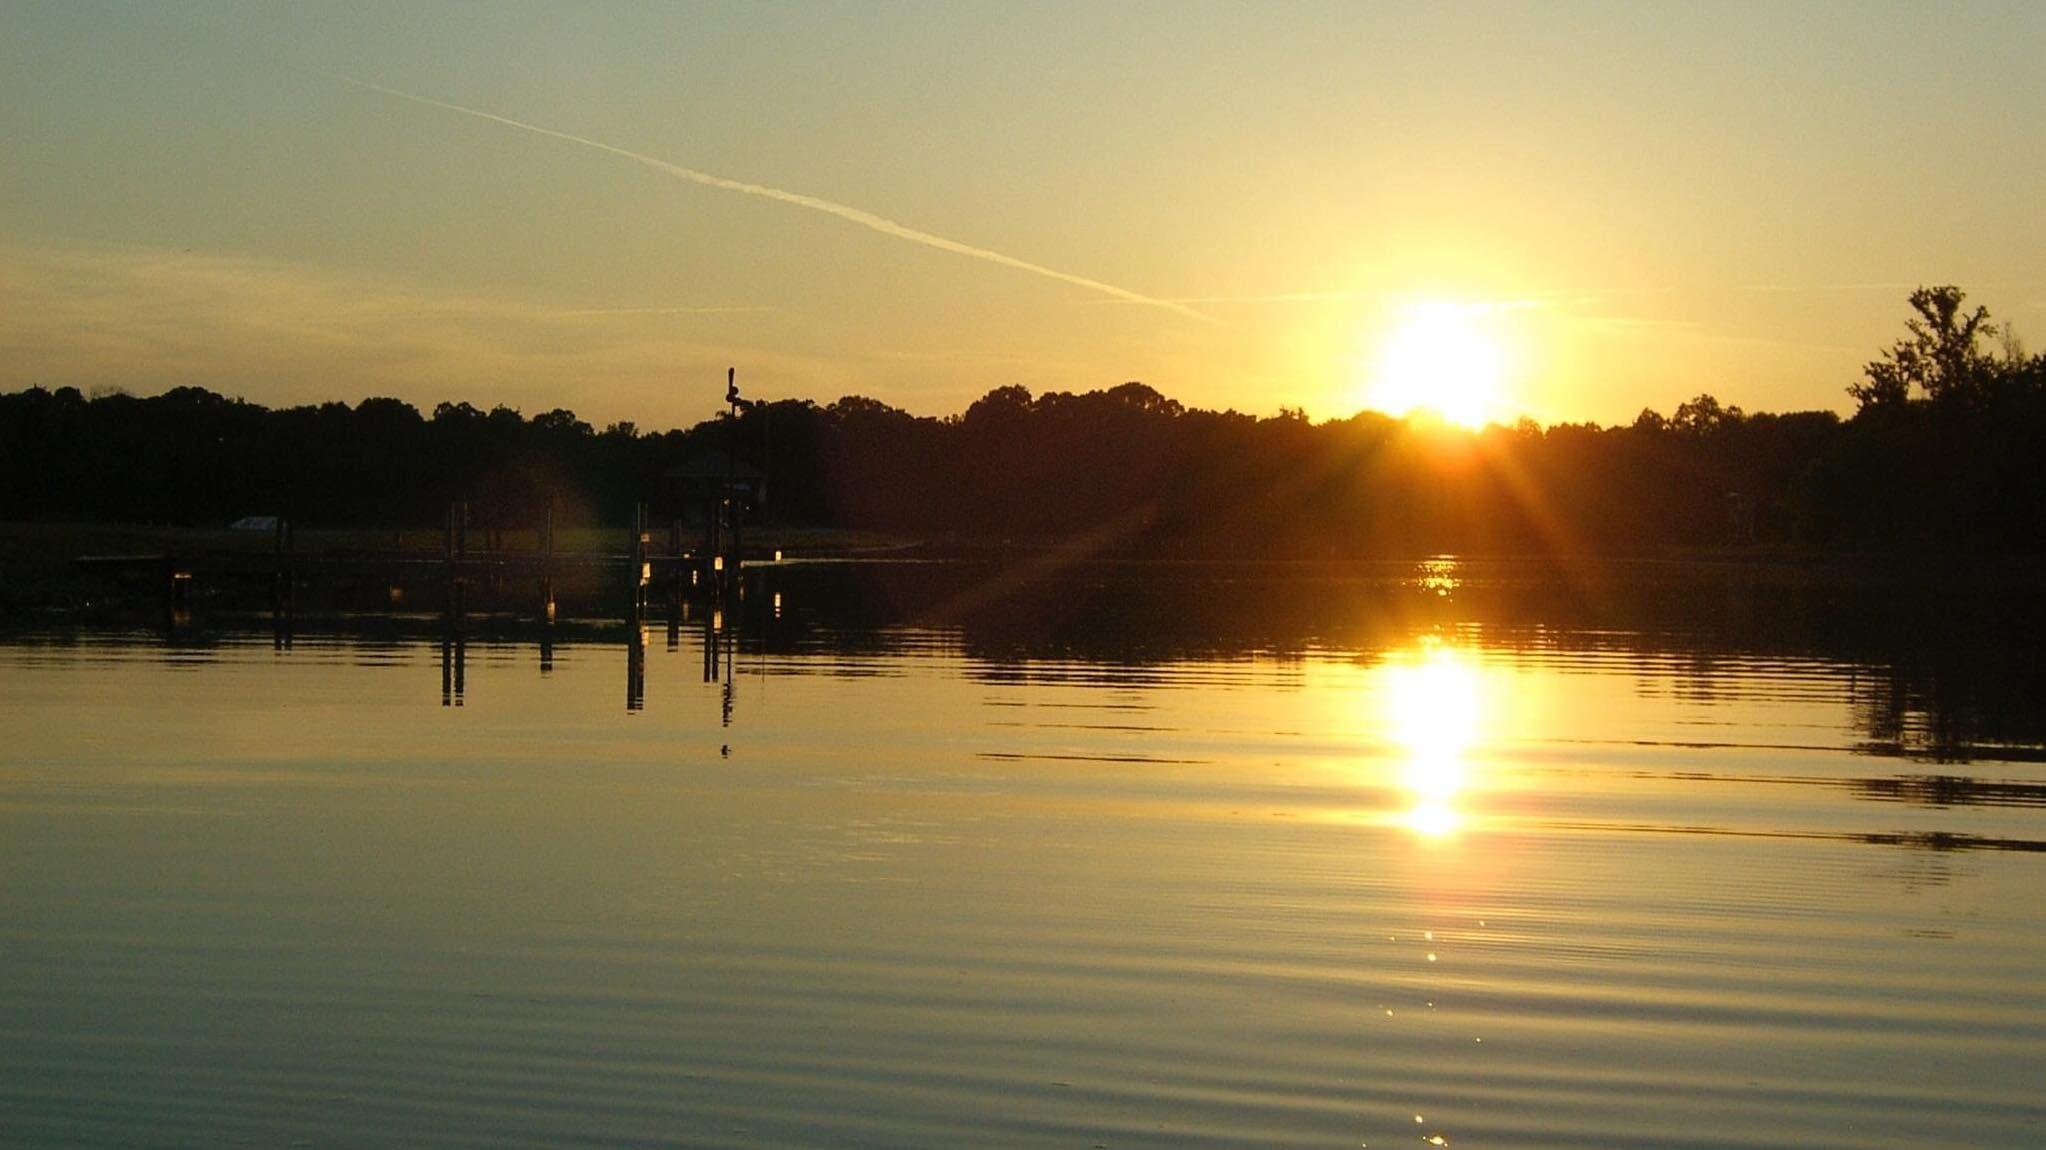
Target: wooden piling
(710, 648)
(281, 570)
(547, 569)
(635, 669)
(176, 586)
(453, 542)
(637, 562)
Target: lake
(1093, 855)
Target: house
(703, 483)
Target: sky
(602, 207)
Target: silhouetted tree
(1943, 356)
(1703, 416)
(1944, 455)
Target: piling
(176, 588)
(638, 566)
(547, 566)
(454, 542)
(281, 568)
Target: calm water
(1122, 857)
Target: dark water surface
(1111, 856)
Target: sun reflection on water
(1437, 576)
(1433, 707)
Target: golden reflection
(1432, 818)
(1437, 574)
(1432, 706)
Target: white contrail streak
(714, 309)
(850, 214)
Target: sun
(1440, 356)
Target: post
(280, 588)
(547, 571)
(637, 558)
(453, 542)
(447, 570)
(710, 645)
(728, 554)
(280, 576)
(176, 582)
(635, 669)
(674, 558)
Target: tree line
(1946, 450)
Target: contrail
(850, 214)
(1275, 297)
(713, 309)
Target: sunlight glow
(1437, 576)
(1432, 819)
(1434, 710)
(1442, 357)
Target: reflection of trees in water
(1943, 676)
(1953, 676)
(1950, 791)
(1930, 859)
(1949, 841)
(1979, 703)
(1932, 671)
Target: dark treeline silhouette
(1946, 450)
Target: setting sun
(1443, 357)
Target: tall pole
(547, 562)
(728, 543)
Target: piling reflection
(713, 639)
(720, 651)
(635, 669)
(720, 621)
(454, 657)
(1072, 805)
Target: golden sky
(602, 207)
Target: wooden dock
(673, 567)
